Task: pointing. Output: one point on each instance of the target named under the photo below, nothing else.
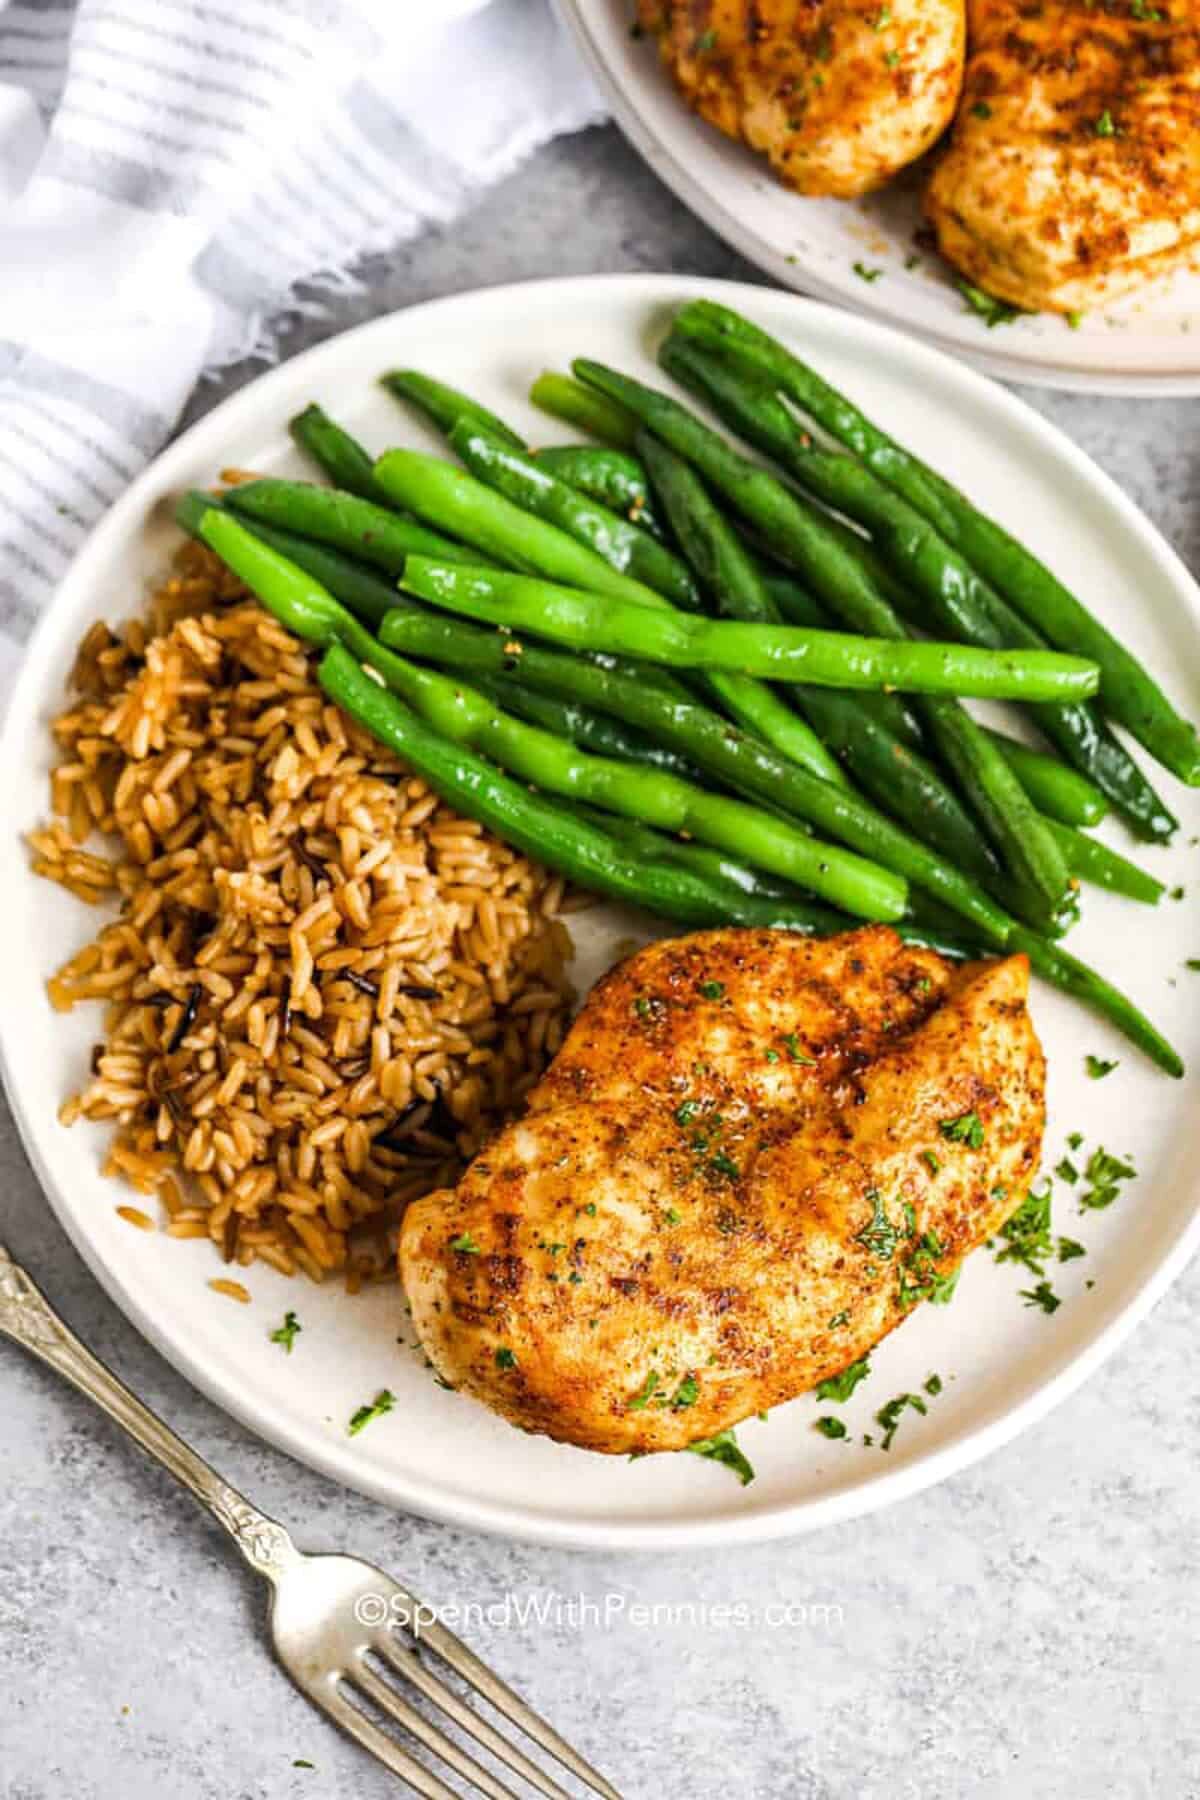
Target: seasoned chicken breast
(837, 94)
(1073, 173)
(754, 1154)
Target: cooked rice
(324, 988)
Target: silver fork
(338, 1624)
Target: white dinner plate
(1002, 1364)
(1142, 345)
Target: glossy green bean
(613, 477)
(344, 521)
(336, 453)
(590, 621)
(564, 398)
(445, 407)
(1128, 691)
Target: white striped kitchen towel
(171, 170)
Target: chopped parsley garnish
(771, 1055)
(383, 1402)
(842, 1318)
(931, 1162)
(933, 1386)
(590, 1209)
(686, 1111)
(1069, 1249)
(910, 1219)
(1104, 1173)
(940, 1290)
(981, 110)
(889, 1416)
(505, 1358)
(465, 1244)
(704, 43)
(1075, 1139)
(1177, 893)
(1105, 125)
(1066, 1171)
(1042, 1295)
(712, 990)
(883, 18)
(992, 311)
(791, 1044)
(830, 1427)
(1074, 320)
(642, 1007)
(840, 1387)
(929, 1284)
(724, 1165)
(1026, 1236)
(1193, 962)
(1097, 1068)
(724, 1448)
(645, 1393)
(1139, 10)
(865, 273)
(892, 59)
(671, 1216)
(880, 1237)
(966, 1129)
(686, 1394)
(287, 1332)
(301, 1762)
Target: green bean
(613, 477)
(1075, 978)
(665, 579)
(1090, 860)
(1127, 690)
(529, 484)
(835, 565)
(769, 893)
(651, 796)
(336, 453)
(1060, 792)
(566, 399)
(456, 502)
(591, 730)
(738, 761)
(968, 609)
(797, 606)
(345, 521)
(588, 621)
(727, 574)
(445, 406)
(359, 588)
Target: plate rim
(699, 199)
(774, 1519)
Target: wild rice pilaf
(324, 988)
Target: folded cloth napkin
(172, 170)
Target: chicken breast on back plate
(1073, 173)
(753, 1156)
(837, 94)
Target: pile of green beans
(680, 680)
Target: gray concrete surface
(1027, 1629)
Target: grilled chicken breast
(752, 1157)
(1073, 173)
(837, 94)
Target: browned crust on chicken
(732, 1183)
(1073, 173)
(837, 95)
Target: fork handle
(27, 1316)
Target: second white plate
(1143, 346)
